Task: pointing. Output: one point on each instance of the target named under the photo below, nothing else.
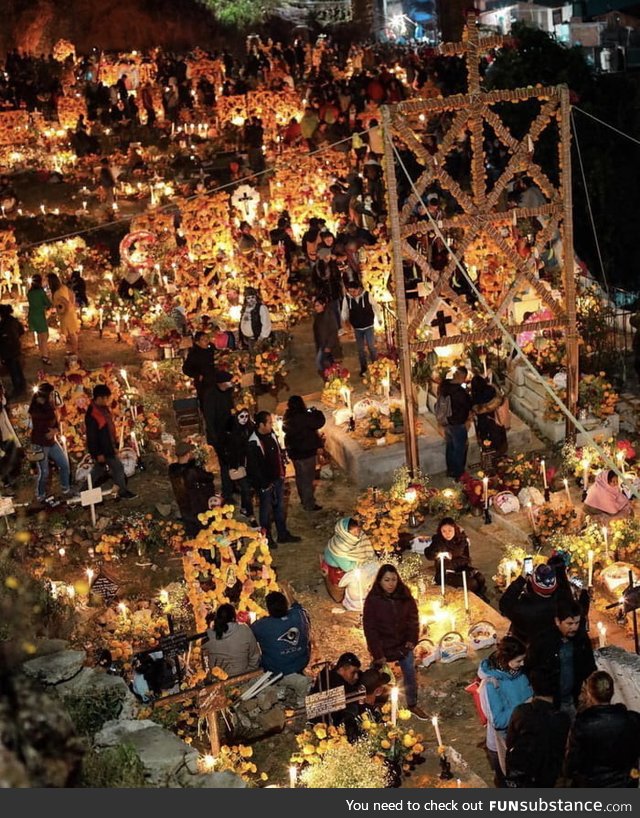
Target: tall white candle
(566, 488)
(543, 469)
(507, 569)
(586, 465)
(123, 373)
(590, 578)
(394, 705)
(442, 556)
(293, 776)
(485, 491)
(605, 534)
(436, 727)
(466, 591)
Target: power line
(607, 125)
(586, 190)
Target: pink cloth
(604, 497)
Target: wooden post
(567, 260)
(404, 350)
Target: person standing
(107, 182)
(325, 336)
(38, 305)
(64, 304)
(391, 628)
(565, 653)
(530, 603)
(255, 321)
(266, 472)
(604, 745)
(302, 441)
(503, 687)
(44, 430)
(360, 310)
(11, 330)
(456, 423)
(200, 363)
(486, 401)
(193, 488)
(536, 737)
(101, 441)
(236, 445)
(217, 408)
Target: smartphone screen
(528, 565)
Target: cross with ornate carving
(473, 47)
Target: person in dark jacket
(217, 408)
(390, 622)
(325, 336)
(302, 442)
(360, 310)
(199, 363)
(79, 288)
(537, 737)
(345, 673)
(193, 488)
(452, 540)
(11, 331)
(266, 472)
(604, 745)
(236, 445)
(530, 604)
(486, 400)
(101, 441)
(565, 653)
(455, 430)
(44, 430)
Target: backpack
(442, 409)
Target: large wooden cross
(473, 47)
(441, 320)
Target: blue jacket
(284, 642)
(503, 699)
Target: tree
(242, 13)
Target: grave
(528, 398)
(375, 466)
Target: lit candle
(43, 209)
(466, 591)
(134, 440)
(458, 783)
(394, 705)
(621, 460)
(84, 206)
(63, 440)
(293, 776)
(605, 534)
(485, 491)
(602, 635)
(436, 727)
(62, 551)
(90, 574)
(543, 469)
(507, 568)
(532, 518)
(586, 465)
(123, 373)
(590, 579)
(442, 556)
(123, 610)
(346, 397)
(566, 488)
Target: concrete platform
(375, 466)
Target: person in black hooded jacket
(604, 744)
(236, 444)
(302, 441)
(530, 604)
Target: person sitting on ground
(284, 637)
(230, 645)
(604, 744)
(530, 603)
(452, 540)
(348, 548)
(193, 488)
(537, 737)
(605, 497)
(345, 673)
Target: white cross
(91, 497)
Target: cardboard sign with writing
(328, 701)
(105, 587)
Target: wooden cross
(441, 320)
(473, 47)
(91, 497)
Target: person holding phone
(530, 601)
